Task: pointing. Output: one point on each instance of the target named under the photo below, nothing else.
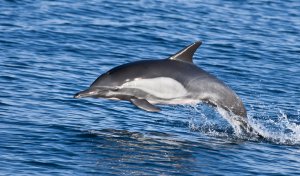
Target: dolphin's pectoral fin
(145, 105)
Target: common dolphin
(175, 80)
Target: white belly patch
(161, 87)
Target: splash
(208, 121)
(280, 129)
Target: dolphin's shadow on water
(150, 153)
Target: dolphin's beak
(95, 92)
(86, 93)
(77, 95)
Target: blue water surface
(49, 50)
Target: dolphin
(175, 80)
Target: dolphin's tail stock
(241, 125)
(247, 130)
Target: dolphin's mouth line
(95, 92)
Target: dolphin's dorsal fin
(186, 54)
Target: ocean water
(49, 50)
